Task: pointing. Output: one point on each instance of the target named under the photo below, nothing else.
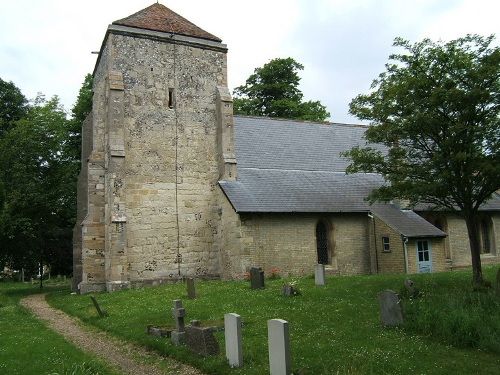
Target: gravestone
(410, 288)
(97, 307)
(201, 340)
(279, 347)
(287, 290)
(391, 312)
(498, 282)
(190, 289)
(232, 333)
(178, 336)
(319, 274)
(256, 278)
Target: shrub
(466, 318)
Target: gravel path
(123, 357)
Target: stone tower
(157, 142)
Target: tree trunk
(472, 230)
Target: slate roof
(406, 222)
(295, 166)
(158, 17)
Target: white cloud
(46, 45)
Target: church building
(174, 185)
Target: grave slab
(256, 278)
(319, 274)
(279, 347)
(391, 312)
(232, 333)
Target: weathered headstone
(287, 290)
(410, 288)
(319, 274)
(190, 289)
(391, 311)
(201, 340)
(279, 347)
(256, 278)
(232, 332)
(97, 307)
(178, 336)
(498, 282)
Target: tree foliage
(273, 90)
(80, 111)
(38, 177)
(39, 163)
(437, 109)
(13, 105)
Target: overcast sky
(46, 45)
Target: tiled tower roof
(158, 17)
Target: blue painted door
(424, 258)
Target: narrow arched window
(322, 243)
(485, 237)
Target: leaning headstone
(256, 278)
(319, 274)
(279, 347)
(287, 290)
(178, 336)
(498, 282)
(232, 333)
(391, 312)
(190, 289)
(97, 307)
(201, 340)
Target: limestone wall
(287, 242)
(154, 167)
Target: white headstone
(279, 347)
(232, 332)
(319, 274)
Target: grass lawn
(334, 329)
(28, 346)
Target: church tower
(157, 142)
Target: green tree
(273, 90)
(38, 176)
(437, 109)
(79, 112)
(13, 105)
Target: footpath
(123, 357)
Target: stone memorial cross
(178, 312)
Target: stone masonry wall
(392, 261)
(152, 175)
(171, 160)
(287, 243)
(459, 242)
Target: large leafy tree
(437, 109)
(37, 173)
(80, 110)
(273, 90)
(13, 105)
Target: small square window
(385, 244)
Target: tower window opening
(171, 98)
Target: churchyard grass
(28, 346)
(334, 329)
